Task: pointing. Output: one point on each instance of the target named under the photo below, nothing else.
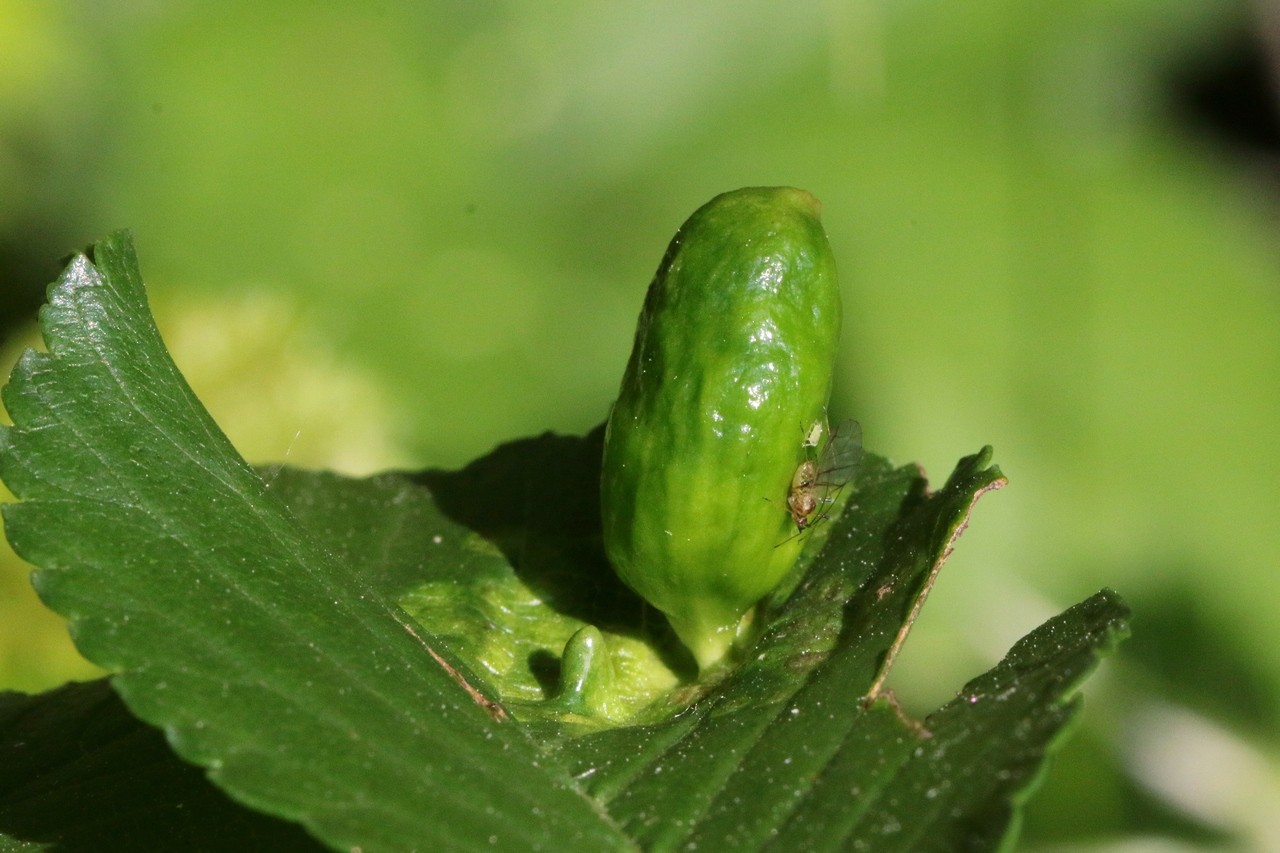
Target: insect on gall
(818, 481)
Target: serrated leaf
(788, 747)
(258, 623)
(972, 763)
(264, 658)
(80, 774)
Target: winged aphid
(818, 480)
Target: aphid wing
(842, 454)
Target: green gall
(729, 374)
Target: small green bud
(730, 370)
(586, 674)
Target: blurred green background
(396, 234)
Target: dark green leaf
(266, 659)
(787, 747)
(80, 774)
(973, 762)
